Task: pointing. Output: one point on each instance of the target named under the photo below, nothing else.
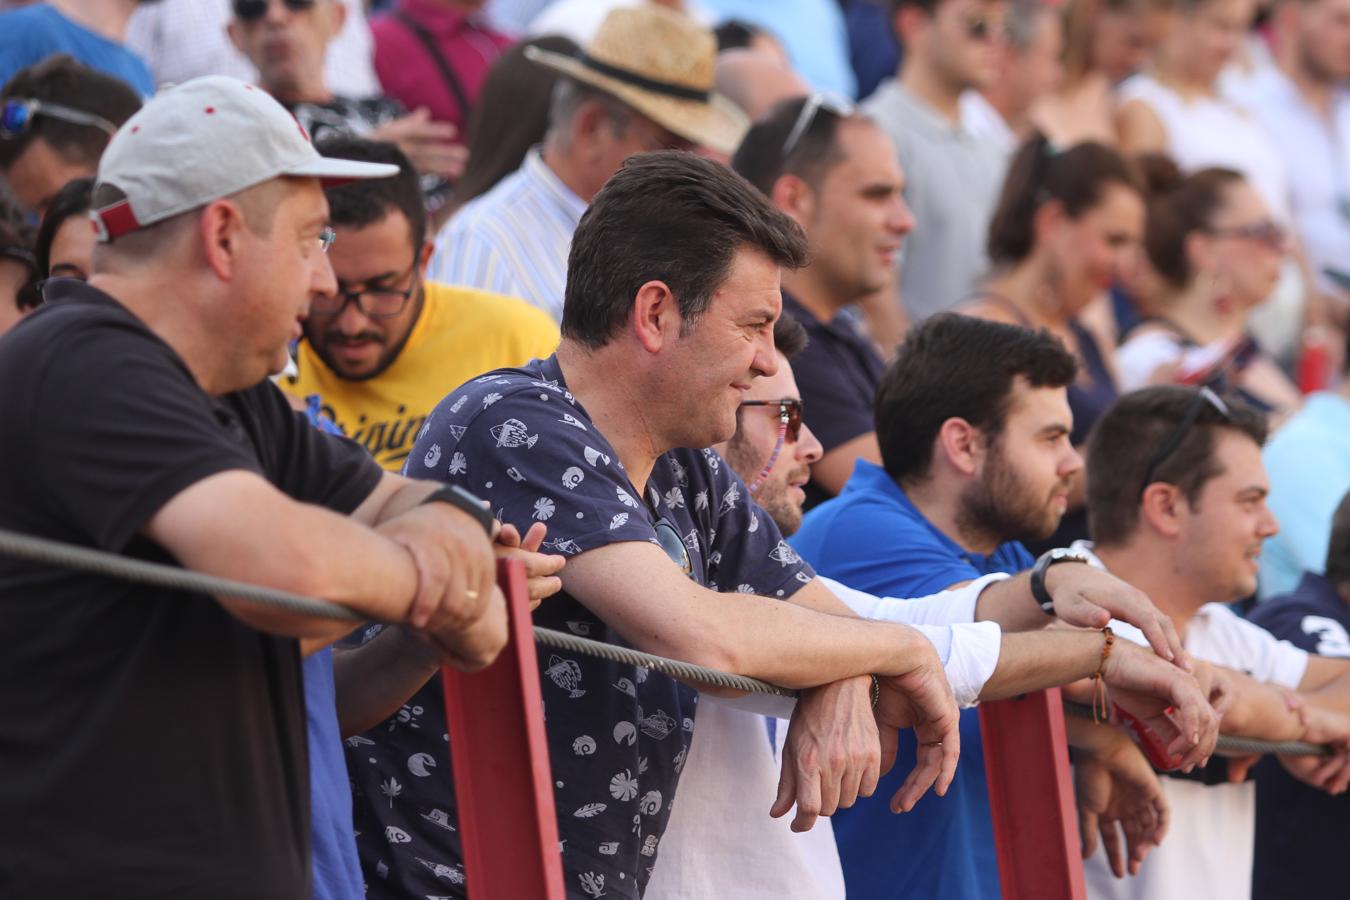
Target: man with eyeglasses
(287, 41)
(155, 739)
(382, 350)
(952, 175)
(56, 118)
(718, 833)
(1182, 515)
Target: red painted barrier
(1026, 758)
(503, 785)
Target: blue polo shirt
(871, 537)
(30, 34)
(1301, 832)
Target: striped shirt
(514, 239)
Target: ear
(232, 29)
(219, 233)
(961, 445)
(590, 118)
(1047, 219)
(794, 196)
(337, 17)
(656, 316)
(424, 259)
(1199, 251)
(910, 23)
(1162, 507)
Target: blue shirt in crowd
(618, 735)
(871, 537)
(1308, 461)
(337, 875)
(811, 31)
(1301, 832)
(30, 34)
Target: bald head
(756, 81)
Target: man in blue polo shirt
(1300, 831)
(973, 424)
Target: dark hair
(955, 366)
(734, 34)
(60, 79)
(759, 159)
(1077, 178)
(358, 204)
(1127, 436)
(789, 335)
(510, 116)
(1178, 207)
(16, 243)
(73, 199)
(669, 216)
(1338, 548)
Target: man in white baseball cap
(152, 741)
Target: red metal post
(503, 786)
(1026, 758)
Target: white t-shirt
(720, 841)
(1207, 854)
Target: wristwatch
(457, 497)
(1048, 559)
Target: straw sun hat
(661, 64)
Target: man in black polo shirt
(152, 742)
(835, 172)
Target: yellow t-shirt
(461, 333)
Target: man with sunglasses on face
(381, 351)
(56, 118)
(952, 175)
(286, 41)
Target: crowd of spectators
(910, 354)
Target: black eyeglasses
(16, 117)
(671, 542)
(1264, 232)
(789, 415)
(20, 254)
(1204, 398)
(840, 106)
(375, 302)
(253, 10)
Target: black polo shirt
(151, 745)
(838, 374)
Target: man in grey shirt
(952, 176)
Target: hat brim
(333, 171)
(718, 125)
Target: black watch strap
(458, 497)
(1048, 559)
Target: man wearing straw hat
(644, 83)
(152, 740)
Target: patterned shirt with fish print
(618, 735)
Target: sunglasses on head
(840, 106)
(789, 415)
(1203, 398)
(253, 10)
(16, 117)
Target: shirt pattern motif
(618, 735)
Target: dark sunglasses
(978, 28)
(833, 103)
(1265, 232)
(16, 117)
(1204, 398)
(789, 415)
(253, 10)
(671, 542)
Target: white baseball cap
(202, 140)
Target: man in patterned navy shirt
(671, 299)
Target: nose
(322, 281)
(1269, 525)
(765, 363)
(808, 448)
(901, 220)
(1072, 463)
